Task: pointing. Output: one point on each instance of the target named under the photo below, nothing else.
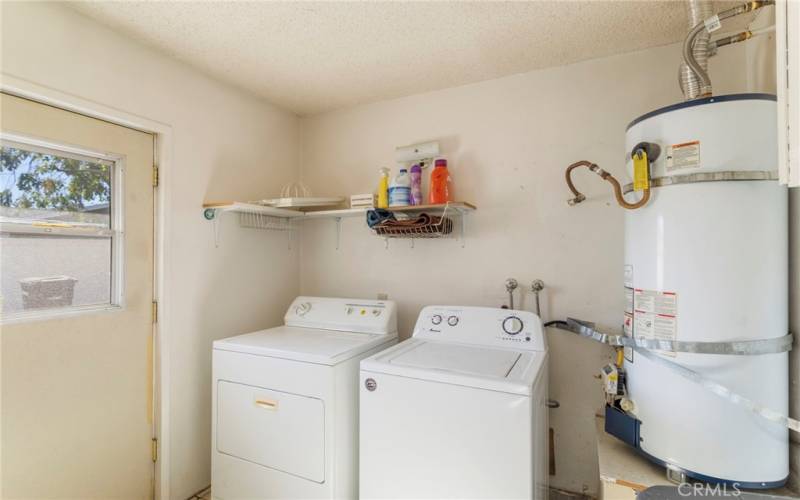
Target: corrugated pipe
(697, 11)
(700, 31)
(579, 197)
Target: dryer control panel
(347, 315)
(482, 325)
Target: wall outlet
(383, 296)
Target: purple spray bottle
(416, 185)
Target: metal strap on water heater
(735, 347)
(742, 347)
(726, 175)
(723, 392)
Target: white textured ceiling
(311, 57)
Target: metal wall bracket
(338, 232)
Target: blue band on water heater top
(700, 102)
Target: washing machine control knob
(452, 320)
(512, 325)
(436, 319)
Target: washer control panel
(512, 325)
(481, 325)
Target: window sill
(53, 314)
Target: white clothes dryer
(285, 401)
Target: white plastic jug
(400, 190)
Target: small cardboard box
(362, 201)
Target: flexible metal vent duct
(697, 12)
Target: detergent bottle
(400, 190)
(440, 190)
(383, 189)
(416, 185)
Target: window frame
(115, 232)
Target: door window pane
(56, 236)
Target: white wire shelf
(210, 210)
(447, 220)
(458, 206)
(254, 216)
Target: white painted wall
(508, 141)
(226, 144)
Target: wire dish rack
(253, 216)
(258, 220)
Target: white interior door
(76, 279)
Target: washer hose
(579, 197)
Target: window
(59, 229)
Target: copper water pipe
(579, 197)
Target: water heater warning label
(656, 326)
(627, 324)
(655, 314)
(628, 300)
(627, 276)
(681, 156)
(651, 301)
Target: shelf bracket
(215, 229)
(210, 214)
(338, 231)
(463, 230)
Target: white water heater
(706, 259)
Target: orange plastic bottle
(440, 183)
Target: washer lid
(470, 360)
(303, 344)
(482, 367)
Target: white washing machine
(457, 411)
(285, 401)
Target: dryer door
(279, 430)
